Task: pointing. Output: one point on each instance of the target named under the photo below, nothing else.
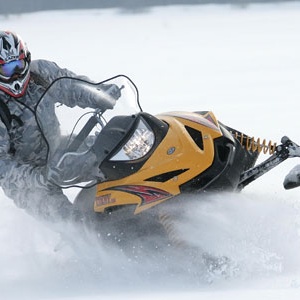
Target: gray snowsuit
(23, 150)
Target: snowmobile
(148, 162)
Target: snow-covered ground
(241, 63)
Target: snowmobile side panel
(180, 156)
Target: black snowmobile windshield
(70, 124)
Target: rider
(23, 150)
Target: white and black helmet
(14, 64)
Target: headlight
(138, 145)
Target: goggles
(14, 67)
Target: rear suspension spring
(168, 224)
(255, 145)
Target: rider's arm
(72, 92)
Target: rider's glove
(112, 90)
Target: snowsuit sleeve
(70, 92)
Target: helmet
(14, 64)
